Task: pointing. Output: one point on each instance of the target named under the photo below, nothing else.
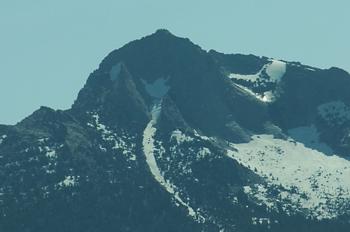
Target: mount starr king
(165, 136)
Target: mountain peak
(163, 126)
(157, 55)
(163, 35)
(163, 31)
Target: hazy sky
(49, 47)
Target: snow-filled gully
(149, 150)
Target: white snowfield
(306, 180)
(2, 138)
(150, 150)
(275, 71)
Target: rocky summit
(168, 137)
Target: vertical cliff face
(165, 136)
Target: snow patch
(156, 110)
(180, 137)
(50, 150)
(43, 140)
(276, 70)
(247, 77)
(311, 69)
(115, 72)
(202, 153)
(261, 221)
(50, 153)
(157, 89)
(260, 194)
(2, 138)
(269, 97)
(69, 181)
(103, 149)
(203, 137)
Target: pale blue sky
(49, 47)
